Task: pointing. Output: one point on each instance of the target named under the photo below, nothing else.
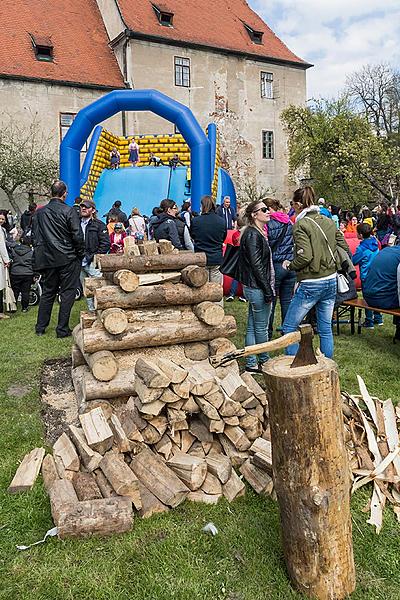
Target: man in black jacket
(58, 251)
(97, 241)
(26, 218)
(169, 226)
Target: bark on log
(62, 496)
(317, 539)
(122, 385)
(96, 517)
(158, 478)
(97, 430)
(93, 283)
(65, 450)
(165, 313)
(145, 264)
(86, 487)
(77, 357)
(194, 276)
(151, 374)
(209, 312)
(114, 320)
(156, 295)
(127, 280)
(123, 481)
(103, 365)
(151, 334)
(150, 504)
(49, 472)
(90, 458)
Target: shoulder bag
(342, 284)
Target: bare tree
(376, 90)
(27, 164)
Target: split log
(253, 429)
(145, 393)
(160, 423)
(238, 438)
(234, 421)
(196, 351)
(114, 320)
(65, 450)
(165, 246)
(120, 437)
(236, 457)
(255, 388)
(151, 374)
(190, 406)
(164, 447)
(209, 312)
(190, 469)
(182, 389)
(104, 485)
(151, 435)
(130, 247)
(150, 504)
(86, 487)
(175, 373)
(103, 404)
(147, 335)
(317, 540)
(150, 248)
(259, 480)
(150, 409)
(156, 295)
(49, 472)
(200, 496)
(235, 388)
(77, 381)
(93, 283)
(213, 425)
(121, 478)
(90, 458)
(194, 276)
(234, 487)
(96, 517)
(212, 485)
(63, 473)
(200, 431)
(153, 278)
(127, 280)
(145, 264)
(128, 423)
(215, 398)
(62, 497)
(158, 478)
(187, 440)
(230, 408)
(220, 466)
(208, 409)
(97, 431)
(202, 379)
(27, 471)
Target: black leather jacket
(254, 263)
(56, 235)
(97, 240)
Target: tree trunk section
(114, 320)
(104, 365)
(127, 280)
(194, 276)
(156, 295)
(311, 476)
(151, 334)
(146, 264)
(122, 385)
(209, 312)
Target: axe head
(305, 354)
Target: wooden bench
(360, 304)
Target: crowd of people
(298, 256)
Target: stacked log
(155, 428)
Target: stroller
(36, 292)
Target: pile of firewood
(158, 423)
(372, 439)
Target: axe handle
(278, 344)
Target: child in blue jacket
(363, 256)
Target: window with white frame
(66, 120)
(267, 80)
(182, 71)
(268, 144)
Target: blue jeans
(320, 294)
(257, 323)
(284, 286)
(372, 317)
(89, 271)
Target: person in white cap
(322, 209)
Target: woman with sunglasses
(255, 271)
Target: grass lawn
(169, 556)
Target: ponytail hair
(304, 196)
(274, 205)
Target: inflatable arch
(137, 100)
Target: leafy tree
(26, 161)
(340, 152)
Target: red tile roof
(212, 23)
(79, 39)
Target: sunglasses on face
(263, 209)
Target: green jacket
(312, 258)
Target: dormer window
(43, 47)
(255, 36)
(164, 16)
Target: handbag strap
(326, 239)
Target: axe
(305, 354)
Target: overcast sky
(337, 36)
